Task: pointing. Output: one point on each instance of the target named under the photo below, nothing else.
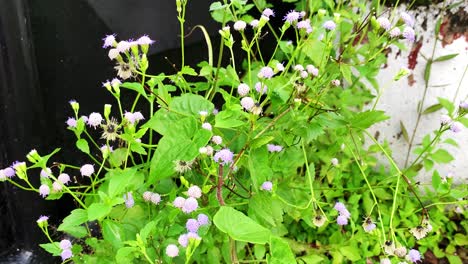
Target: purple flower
(64, 178)
(87, 170)
(217, 140)
(155, 198)
(203, 219)
(368, 225)
(312, 69)
(396, 32)
(172, 251)
(339, 206)
(247, 103)
(279, 67)
(133, 117)
(464, 105)
(129, 202)
(71, 122)
(298, 67)
(147, 196)
(183, 240)
(66, 254)
(144, 40)
(261, 88)
(109, 41)
(407, 18)
(9, 172)
(342, 220)
(334, 162)
(304, 74)
(179, 202)
(190, 205)
(57, 186)
(192, 235)
(456, 127)
(224, 156)
(384, 23)
(45, 173)
(44, 190)
(329, 25)
(195, 192)
(123, 46)
(267, 186)
(268, 12)
(445, 119)
(65, 244)
(240, 25)
(305, 24)
(207, 126)
(408, 34)
(42, 219)
(414, 256)
(265, 73)
(254, 23)
(292, 16)
(274, 148)
(243, 89)
(94, 119)
(385, 261)
(113, 53)
(2, 175)
(192, 225)
(335, 82)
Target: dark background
(50, 52)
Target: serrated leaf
(446, 57)
(82, 145)
(76, 218)
(446, 104)
(52, 248)
(188, 71)
(119, 179)
(366, 119)
(112, 232)
(442, 156)
(280, 251)
(240, 227)
(433, 108)
(98, 211)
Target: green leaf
(464, 121)
(366, 119)
(461, 239)
(261, 141)
(314, 49)
(82, 145)
(312, 259)
(145, 231)
(436, 180)
(453, 259)
(446, 104)
(228, 119)
(125, 255)
(188, 71)
(112, 232)
(135, 86)
(119, 180)
(52, 248)
(446, 57)
(351, 253)
(240, 227)
(72, 223)
(346, 71)
(98, 211)
(404, 131)
(427, 71)
(442, 156)
(433, 108)
(280, 251)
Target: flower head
(240, 25)
(179, 202)
(224, 156)
(217, 140)
(329, 25)
(94, 119)
(113, 53)
(190, 205)
(65, 244)
(265, 73)
(57, 186)
(172, 251)
(145, 40)
(334, 162)
(254, 23)
(203, 219)
(407, 18)
(267, 186)
(109, 41)
(129, 201)
(155, 198)
(87, 170)
(71, 122)
(408, 34)
(342, 220)
(42, 219)
(44, 190)
(305, 25)
(385, 261)
(268, 12)
(147, 196)
(194, 191)
(456, 127)
(123, 46)
(396, 32)
(9, 172)
(243, 89)
(318, 220)
(261, 88)
(110, 130)
(368, 225)
(414, 256)
(274, 148)
(207, 126)
(384, 23)
(66, 254)
(312, 69)
(45, 173)
(279, 67)
(445, 119)
(464, 105)
(400, 251)
(133, 117)
(192, 225)
(419, 232)
(247, 103)
(182, 166)
(292, 16)
(335, 83)
(183, 240)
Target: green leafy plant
(263, 163)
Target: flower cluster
(155, 198)
(343, 214)
(65, 246)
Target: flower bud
(107, 110)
